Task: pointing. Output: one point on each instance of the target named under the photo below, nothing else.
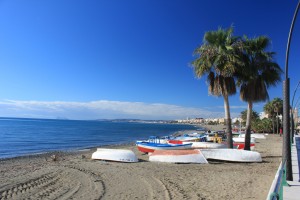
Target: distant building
(237, 119)
(222, 121)
(263, 115)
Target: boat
(241, 145)
(187, 138)
(156, 139)
(207, 145)
(178, 156)
(119, 155)
(232, 155)
(242, 139)
(147, 147)
(201, 145)
(154, 143)
(255, 135)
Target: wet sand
(76, 176)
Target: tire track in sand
(177, 191)
(57, 182)
(156, 189)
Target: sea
(20, 137)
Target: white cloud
(101, 109)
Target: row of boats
(194, 141)
(189, 148)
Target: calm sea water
(30, 136)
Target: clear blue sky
(126, 59)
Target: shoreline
(128, 143)
(75, 175)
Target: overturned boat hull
(232, 155)
(178, 156)
(201, 145)
(118, 155)
(241, 145)
(255, 135)
(146, 147)
(242, 139)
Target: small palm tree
(278, 109)
(269, 109)
(258, 73)
(216, 58)
(254, 116)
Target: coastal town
(236, 120)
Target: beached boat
(119, 155)
(201, 145)
(241, 145)
(154, 143)
(147, 147)
(255, 135)
(187, 138)
(232, 155)
(178, 156)
(242, 139)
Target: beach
(73, 175)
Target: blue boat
(154, 144)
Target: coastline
(75, 175)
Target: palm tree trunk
(248, 127)
(228, 122)
(273, 122)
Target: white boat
(186, 138)
(255, 135)
(178, 156)
(206, 145)
(147, 147)
(242, 139)
(233, 155)
(119, 155)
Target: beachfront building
(263, 115)
(236, 119)
(191, 121)
(202, 121)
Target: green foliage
(212, 123)
(254, 117)
(273, 107)
(217, 59)
(258, 71)
(262, 126)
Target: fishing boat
(178, 156)
(201, 145)
(119, 155)
(147, 147)
(255, 135)
(241, 145)
(242, 139)
(188, 138)
(232, 155)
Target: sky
(112, 59)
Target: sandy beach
(74, 175)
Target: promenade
(292, 191)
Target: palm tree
(278, 108)
(254, 116)
(216, 58)
(258, 73)
(269, 109)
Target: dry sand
(76, 176)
